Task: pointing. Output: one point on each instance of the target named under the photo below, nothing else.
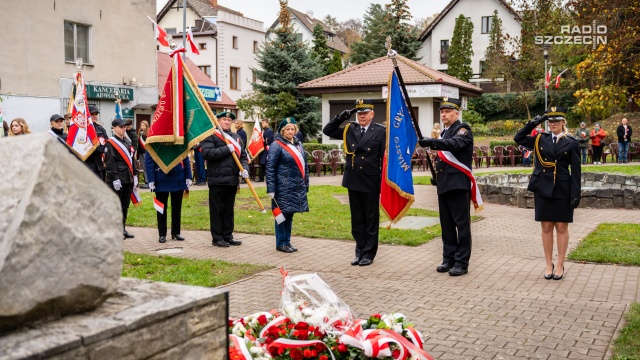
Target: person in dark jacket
(287, 180)
(624, 133)
(222, 178)
(454, 188)
(267, 137)
(364, 144)
(57, 128)
(555, 183)
(131, 133)
(201, 172)
(240, 131)
(94, 161)
(173, 184)
(121, 174)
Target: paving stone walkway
(502, 309)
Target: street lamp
(545, 49)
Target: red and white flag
(547, 80)
(136, 199)
(558, 79)
(194, 49)
(161, 35)
(256, 143)
(82, 137)
(158, 205)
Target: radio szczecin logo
(593, 34)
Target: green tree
(495, 54)
(335, 64)
(372, 44)
(460, 51)
(284, 63)
(320, 50)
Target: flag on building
(161, 35)
(82, 137)
(256, 143)
(396, 192)
(194, 49)
(170, 137)
(547, 80)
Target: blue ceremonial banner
(396, 195)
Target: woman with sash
(287, 175)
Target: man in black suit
(364, 144)
(240, 132)
(94, 161)
(454, 188)
(267, 137)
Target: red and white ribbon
(448, 157)
(240, 345)
(232, 141)
(293, 344)
(375, 343)
(295, 153)
(275, 322)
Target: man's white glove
(244, 174)
(152, 186)
(231, 148)
(117, 185)
(272, 195)
(135, 181)
(189, 182)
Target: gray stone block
(605, 203)
(616, 192)
(588, 176)
(604, 193)
(590, 202)
(56, 257)
(618, 202)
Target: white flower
(238, 329)
(257, 350)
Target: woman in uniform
(555, 183)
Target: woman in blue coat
(287, 180)
(171, 184)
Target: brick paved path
(502, 309)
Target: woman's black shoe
(558, 277)
(177, 237)
(284, 249)
(162, 239)
(550, 276)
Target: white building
(227, 49)
(436, 38)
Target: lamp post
(546, 90)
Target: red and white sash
(123, 151)
(142, 143)
(232, 141)
(448, 157)
(295, 153)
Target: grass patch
(610, 243)
(627, 345)
(327, 219)
(209, 273)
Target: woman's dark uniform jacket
(459, 141)
(116, 166)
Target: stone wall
(144, 320)
(599, 190)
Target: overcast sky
(267, 10)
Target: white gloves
(231, 148)
(244, 174)
(152, 186)
(272, 195)
(135, 181)
(117, 185)
(189, 182)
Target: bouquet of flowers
(315, 324)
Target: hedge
(512, 106)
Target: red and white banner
(558, 78)
(448, 157)
(194, 49)
(82, 137)
(158, 205)
(547, 80)
(161, 35)
(295, 153)
(277, 214)
(256, 143)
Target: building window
(444, 51)
(76, 42)
(486, 24)
(255, 47)
(233, 83)
(171, 31)
(203, 46)
(206, 70)
(483, 67)
(235, 42)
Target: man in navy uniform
(454, 188)
(364, 144)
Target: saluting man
(121, 174)
(455, 146)
(364, 144)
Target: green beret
(285, 122)
(228, 114)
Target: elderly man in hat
(454, 187)
(94, 161)
(364, 144)
(56, 122)
(121, 172)
(582, 135)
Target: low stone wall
(144, 320)
(599, 191)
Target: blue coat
(284, 178)
(175, 180)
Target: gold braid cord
(344, 145)
(547, 164)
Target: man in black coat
(222, 178)
(364, 144)
(267, 136)
(241, 133)
(121, 172)
(94, 161)
(624, 133)
(454, 188)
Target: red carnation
(302, 325)
(395, 353)
(314, 354)
(342, 348)
(323, 357)
(268, 340)
(302, 334)
(296, 354)
(319, 347)
(262, 320)
(307, 353)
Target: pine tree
(372, 44)
(284, 63)
(335, 64)
(320, 51)
(495, 54)
(460, 51)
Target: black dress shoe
(162, 239)
(234, 242)
(177, 237)
(220, 243)
(444, 267)
(127, 235)
(550, 276)
(365, 262)
(559, 277)
(292, 247)
(457, 271)
(285, 249)
(356, 261)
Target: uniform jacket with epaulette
(363, 158)
(565, 154)
(458, 140)
(222, 169)
(116, 166)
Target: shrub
(309, 147)
(479, 130)
(472, 117)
